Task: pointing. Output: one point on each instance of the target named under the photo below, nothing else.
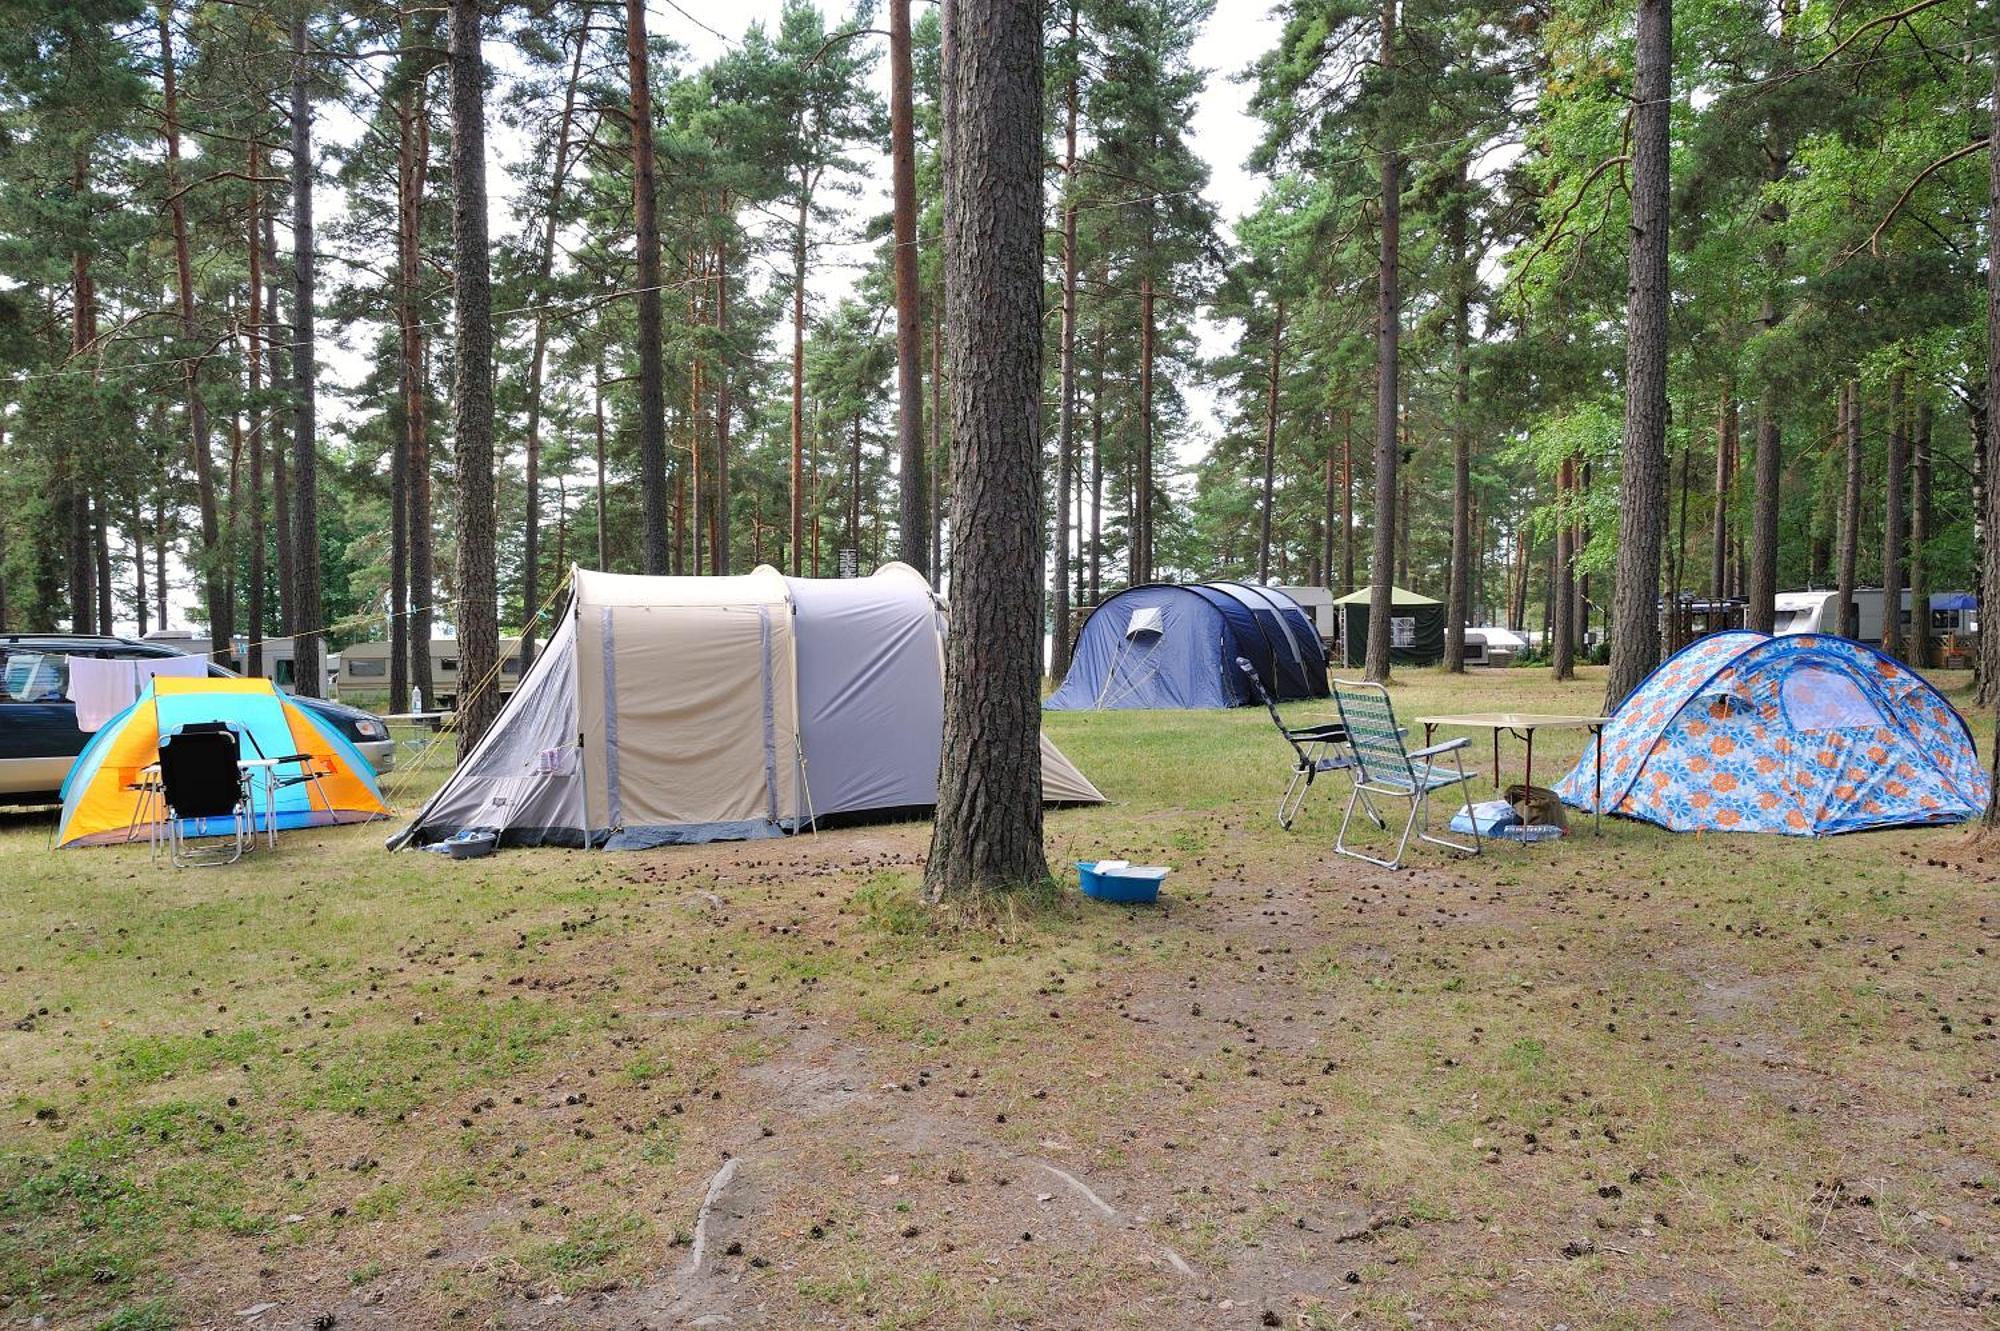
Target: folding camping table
(1523, 725)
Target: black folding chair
(201, 779)
(1315, 749)
(1384, 767)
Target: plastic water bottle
(416, 700)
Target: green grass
(330, 1060)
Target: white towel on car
(101, 688)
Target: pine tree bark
(405, 447)
(1725, 449)
(74, 489)
(1347, 502)
(720, 541)
(1097, 467)
(652, 371)
(1388, 346)
(545, 261)
(1066, 373)
(1847, 621)
(278, 344)
(988, 833)
(1272, 377)
(413, 164)
(1458, 592)
(1896, 483)
(215, 557)
(1761, 613)
(1642, 508)
(913, 521)
(308, 605)
(799, 391)
(1989, 588)
(472, 387)
(1142, 493)
(1562, 648)
(254, 367)
(1920, 535)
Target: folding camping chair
(1385, 767)
(308, 773)
(201, 778)
(1315, 749)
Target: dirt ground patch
(1635, 1081)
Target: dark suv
(39, 738)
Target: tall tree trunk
(937, 458)
(1142, 495)
(913, 518)
(309, 615)
(160, 556)
(1761, 613)
(545, 261)
(1097, 467)
(988, 832)
(1989, 587)
(1330, 513)
(472, 388)
(75, 496)
(854, 491)
(1896, 480)
(259, 409)
(1642, 492)
(1388, 347)
(652, 372)
(1347, 503)
(100, 535)
(1725, 451)
(413, 163)
(137, 530)
(799, 388)
(1920, 534)
(1676, 619)
(1066, 389)
(215, 557)
(1847, 620)
(279, 344)
(1272, 378)
(603, 524)
(720, 541)
(1562, 632)
(1458, 594)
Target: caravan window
(362, 667)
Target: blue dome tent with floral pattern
(1805, 734)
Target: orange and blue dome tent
(103, 799)
(1805, 734)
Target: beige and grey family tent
(668, 710)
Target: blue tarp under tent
(1162, 645)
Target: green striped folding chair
(1384, 767)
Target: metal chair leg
(1294, 797)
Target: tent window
(1816, 698)
(1147, 619)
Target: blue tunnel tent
(1161, 645)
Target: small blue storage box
(1137, 882)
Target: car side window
(29, 675)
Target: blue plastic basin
(1137, 884)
